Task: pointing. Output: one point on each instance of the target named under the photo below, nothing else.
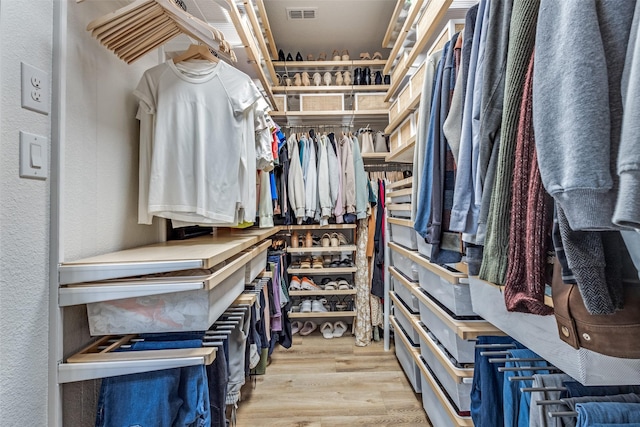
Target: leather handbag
(381, 143)
(614, 334)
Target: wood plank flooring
(322, 383)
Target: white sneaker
(318, 307)
(306, 306)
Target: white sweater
(295, 184)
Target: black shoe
(289, 57)
(299, 57)
(280, 55)
(387, 79)
(378, 79)
(365, 77)
(357, 77)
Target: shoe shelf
(407, 182)
(374, 157)
(319, 227)
(323, 314)
(332, 88)
(323, 271)
(403, 154)
(322, 249)
(324, 65)
(305, 293)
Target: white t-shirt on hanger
(198, 135)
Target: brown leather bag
(616, 335)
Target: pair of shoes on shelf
(366, 56)
(304, 284)
(337, 239)
(296, 327)
(308, 327)
(281, 56)
(341, 57)
(333, 330)
(313, 306)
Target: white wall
(99, 190)
(25, 35)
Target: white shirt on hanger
(197, 140)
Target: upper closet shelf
(539, 333)
(333, 88)
(434, 16)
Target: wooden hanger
(136, 29)
(196, 51)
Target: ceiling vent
(304, 13)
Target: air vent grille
(298, 13)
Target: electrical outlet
(36, 82)
(35, 88)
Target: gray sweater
(627, 209)
(577, 104)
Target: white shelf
(539, 333)
(320, 227)
(307, 65)
(404, 153)
(91, 366)
(322, 271)
(322, 292)
(86, 293)
(331, 88)
(322, 315)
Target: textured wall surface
(25, 35)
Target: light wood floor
(321, 383)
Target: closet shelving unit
(329, 103)
(235, 257)
(318, 273)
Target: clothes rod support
(495, 346)
(517, 378)
(541, 389)
(494, 353)
(527, 368)
(515, 359)
(549, 402)
(563, 414)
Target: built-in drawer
(406, 354)
(402, 232)
(448, 286)
(402, 287)
(455, 380)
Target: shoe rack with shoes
(321, 275)
(344, 69)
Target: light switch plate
(35, 88)
(34, 156)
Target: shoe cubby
(322, 271)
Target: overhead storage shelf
(320, 227)
(328, 65)
(322, 271)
